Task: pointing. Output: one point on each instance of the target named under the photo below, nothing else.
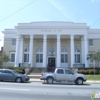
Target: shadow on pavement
(66, 83)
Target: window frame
(40, 60)
(11, 56)
(64, 53)
(13, 42)
(27, 57)
(39, 52)
(76, 53)
(91, 42)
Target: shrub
(17, 69)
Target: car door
(9, 76)
(69, 75)
(2, 75)
(60, 76)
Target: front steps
(37, 70)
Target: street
(40, 91)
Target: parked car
(12, 75)
(63, 74)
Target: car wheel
(18, 80)
(50, 80)
(79, 81)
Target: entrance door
(51, 64)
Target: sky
(13, 12)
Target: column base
(15, 66)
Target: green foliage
(95, 57)
(17, 69)
(93, 77)
(4, 58)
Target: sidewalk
(87, 82)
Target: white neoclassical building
(51, 44)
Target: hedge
(89, 71)
(17, 69)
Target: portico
(51, 44)
(53, 51)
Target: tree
(96, 57)
(4, 58)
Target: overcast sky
(78, 11)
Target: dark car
(11, 75)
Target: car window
(60, 71)
(68, 72)
(8, 72)
(2, 71)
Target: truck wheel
(50, 80)
(79, 81)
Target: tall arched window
(26, 54)
(39, 55)
(64, 55)
(77, 55)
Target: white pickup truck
(63, 74)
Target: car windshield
(15, 72)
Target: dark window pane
(66, 58)
(26, 57)
(68, 72)
(12, 57)
(62, 58)
(60, 71)
(37, 58)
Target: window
(90, 42)
(13, 42)
(26, 54)
(2, 71)
(8, 72)
(39, 56)
(26, 57)
(77, 58)
(64, 56)
(60, 71)
(68, 72)
(77, 55)
(12, 56)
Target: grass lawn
(92, 77)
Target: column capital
(85, 37)
(18, 36)
(45, 37)
(31, 37)
(72, 36)
(58, 38)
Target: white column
(21, 50)
(17, 51)
(82, 51)
(72, 49)
(85, 50)
(45, 51)
(58, 52)
(31, 51)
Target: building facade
(51, 44)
